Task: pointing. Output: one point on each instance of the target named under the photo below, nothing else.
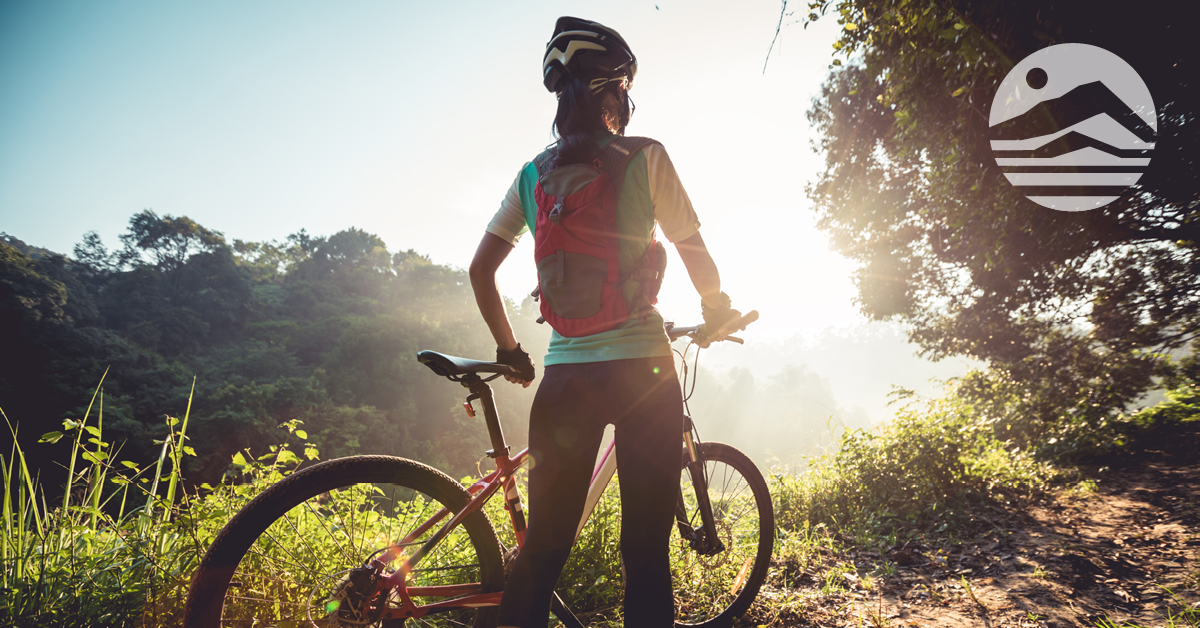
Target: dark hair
(580, 118)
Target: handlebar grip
(742, 322)
(750, 317)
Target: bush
(927, 465)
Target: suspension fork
(708, 542)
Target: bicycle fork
(704, 539)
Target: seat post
(481, 391)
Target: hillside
(323, 330)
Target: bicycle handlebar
(698, 334)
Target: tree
(911, 191)
(168, 241)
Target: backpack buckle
(556, 211)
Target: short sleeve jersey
(652, 195)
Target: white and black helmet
(589, 50)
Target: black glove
(720, 318)
(518, 359)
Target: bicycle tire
(711, 591)
(316, 498)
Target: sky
(410, 120)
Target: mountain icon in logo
(1073, 127)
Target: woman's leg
(565, 431)
(649, 436)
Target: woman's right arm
(492, 252)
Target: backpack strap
(648, 270)
(615, 157)
(544, 161)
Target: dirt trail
(1127, 552)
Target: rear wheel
(715, 583)
(294, 556)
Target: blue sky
(407, 120)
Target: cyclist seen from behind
(593, 200)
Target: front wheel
(716, 582)
(294, 556)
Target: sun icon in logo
(1073, 127)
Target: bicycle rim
(308, 533)
(711, 590)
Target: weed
(1084, 488)
(966, 585)
(875, 615)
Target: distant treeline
(321, 329)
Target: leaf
(959, 91)
(239, 460)
(188, 450)
(837, 61)
(129, 465)
(93, 430)
(851, 26)
(50, 437)
(959, 26)
(286, 456)
(95, 457)
(302, 434)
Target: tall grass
(118, 548)
(94, 556)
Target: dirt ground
(1126, 552)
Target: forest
(321, 330)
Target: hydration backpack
(581, 288)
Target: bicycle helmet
(589, 50)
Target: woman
(620, 371)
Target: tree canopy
(1078, 302)
(320, 329)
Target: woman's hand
(519, 359)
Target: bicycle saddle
(448, 365)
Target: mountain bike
(380, 540)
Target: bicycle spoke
(296, 561)
(303, 538)
(321, 520)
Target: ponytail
(580, 119)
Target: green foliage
(319, 329)
(119, 547)
(926, 469)
(1180, 411)
(912, 193)
(97, 555)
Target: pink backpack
(575, 243)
